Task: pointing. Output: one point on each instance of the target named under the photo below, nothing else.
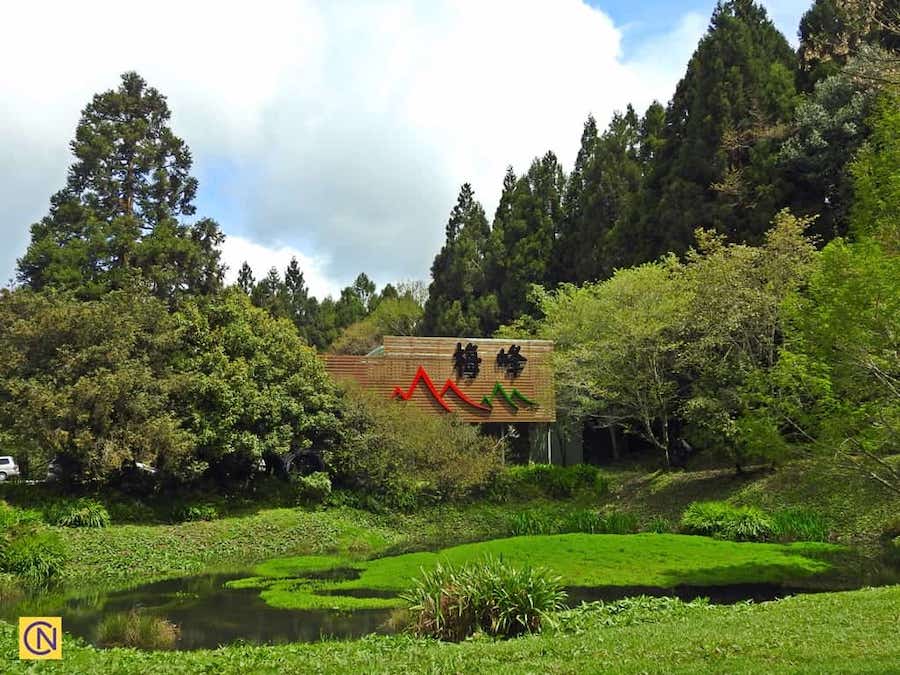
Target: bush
(314, 488)
(77, 513)
(405, 456)
(724, 521)
(185, 513)
(800, 525)
(135, 629)
(452, 603)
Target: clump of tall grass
(533, 521)
(454, 602)
(536, 521)
(798, 524)
(725, 521)
(82, 512)
(138, 630)
(658, 525)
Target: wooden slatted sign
(482, 380)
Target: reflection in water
(210, 615)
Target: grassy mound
(664, 560)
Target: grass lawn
(664, 560)
(847, 632)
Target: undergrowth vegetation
(28, 549)
(747, 523)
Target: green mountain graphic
(508, 396)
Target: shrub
(185, 513)
(406, 456)
(314, 488)
(800, 524)
(135, 629)
(32, 552)
(659, 525)
(725, 521)
(453, 602)
(81, 512)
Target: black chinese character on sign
(512, 361)
(466, 360)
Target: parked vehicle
(8, 468)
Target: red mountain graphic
(421, 376)
(449, 385)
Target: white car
(8, 468)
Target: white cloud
(348, 126)
(236, 250)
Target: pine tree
(116, 222)
(271, 294)
(716, 165)
(245, 279)
(456, 305)
(526, 227)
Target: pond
(210, 614)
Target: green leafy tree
(251, 386)
(836, 385)
(271, 294)
(89, 382)
(116, 222)
(617, 345)
(398, 315)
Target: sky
(337, 131)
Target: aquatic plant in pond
(136, 629)
(451, 602)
